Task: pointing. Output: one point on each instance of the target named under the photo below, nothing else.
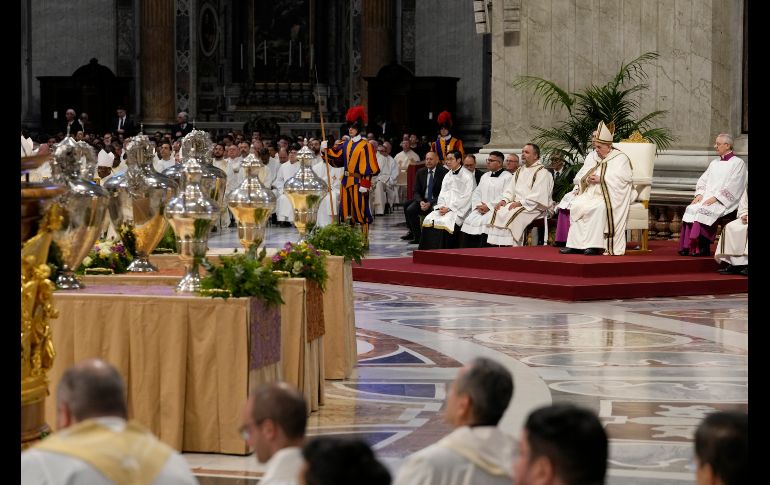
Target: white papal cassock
(456, 191)
(325, 216)
(599, 212)
(284, 211)
(531, 187)
(733, 244)
(723, 179)
(490, 192)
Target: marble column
(157, 61)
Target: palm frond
(551, 95)
(634, 70)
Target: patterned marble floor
(651, 368)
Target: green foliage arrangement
(111, 256)
(241, 275)
(55, 261)
(302, 260)
(616, 101)
(340, 240)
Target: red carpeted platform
(542, 272)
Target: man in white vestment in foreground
(96, 443)
(733, 244)
(284, 211)
(527, 197)
(599, 212)
(477, 452)
(274, 421)
(717, 193)
(485, 196)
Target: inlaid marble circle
(582, 338)
(638, 359)
(709, 391)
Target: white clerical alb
(733, 244)
(599, 212)
(488, 192)
(724, 180)
(531, 186)
(456, 191)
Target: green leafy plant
(109, 255)
(302, 260)
(241, 275)
(340, 240)
(616, 101)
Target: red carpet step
(542, 272)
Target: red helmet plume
(444, 119)
(356, 117)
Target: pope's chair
(642, 157)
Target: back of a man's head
(489, 386)
(340, 461)
(282, 404)
(92, 389)
(572, 439)
(722, 442)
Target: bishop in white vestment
(325, 216)
(717, 193)
(733, 244)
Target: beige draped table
(188, 361)
(340, 353)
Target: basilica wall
(575, 43)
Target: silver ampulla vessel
(305, 191)
(190, 214)
(83, 207)
(138, 199)
(251, 204)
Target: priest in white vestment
(485, 196)
(326, 215)
(404, 158)
(385, 190)
(717, 193)
(477, 451)
(599, 212)
(733, 244)
(441, 227)
(527, 197)
(284, 211)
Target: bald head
(92, 388)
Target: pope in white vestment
(717, 193)
(733, 244)
(600, 210)
(526, 197)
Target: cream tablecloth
(188, 361)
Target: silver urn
(251, 204)
(305, 191)
(191, 214)
(138, 199)
(213, 180)
(83, 207)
